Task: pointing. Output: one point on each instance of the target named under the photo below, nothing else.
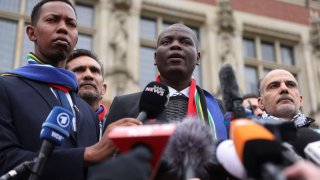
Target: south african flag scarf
(202, 104)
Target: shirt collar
(184, 91)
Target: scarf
(101, 112)
(299, 120)
(203, 105)
(38, 71)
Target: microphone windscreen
(57, 125)
(154, 99)
(243, 130)
(303, 138)
(228, 158)
(191, 147)
(229, 87)
(155, 137)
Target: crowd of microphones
(256, 148)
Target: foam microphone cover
(191, 147)
(303, 138)
(154, 99)
(230, 91)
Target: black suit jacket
(128, 106)
(24, 106)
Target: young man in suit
(28, 94)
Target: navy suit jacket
(24, 106)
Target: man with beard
(280, 98)
(28, 94)
(89, 73)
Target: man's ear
(155, 56)
(260, 103)
(198, 58)
(31, 33)
(104, 88)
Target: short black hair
(36, 9)
(250, 95)
(83, 52)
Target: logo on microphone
(63, 120)
(156, 89)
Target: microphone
(18, 170)
(307, 144)
(153, 100)
(229, 159)
(230, 92)
(263, 157)
(190, 152)
(152, 137)
(54, 130)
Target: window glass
(268, 53)
(287, 55)
(251, 78)
(27, 47)
(8, 31)
(10, 5)
(84, 42)
(148, 70)
(249, 50)
(85, 15)
(30, 5)
(148, 28)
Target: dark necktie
(177, 108)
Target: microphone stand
(18, 170)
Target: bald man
(280, 98)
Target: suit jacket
(24, 106)
(128, 106)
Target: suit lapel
(44, 91)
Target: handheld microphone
(153, 137)
(153, 100)
(229, 159)
(307, 144)
(230, 92)
(191, 151)
(262, 156)
(18, 170)
(54, 130)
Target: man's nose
(283, 88)
(87, 74)
(175, 45)
(62, 27)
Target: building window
(261, 55)
(8, 31)
(10, 5)
(85, 15)
(150, 27)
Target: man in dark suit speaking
(176, 57)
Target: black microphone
(190, 152)
(18, 170)
(54, 130)
(230, 92)
(153, 100)
(307, 144)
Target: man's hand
(303, 170)
(104, 148)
